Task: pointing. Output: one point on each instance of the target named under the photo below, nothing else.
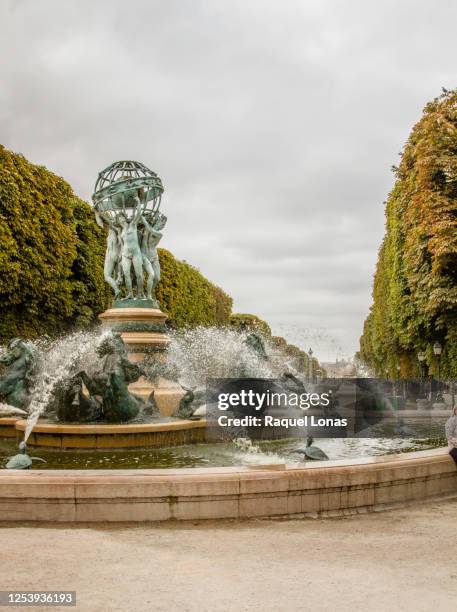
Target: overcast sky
(273, 125)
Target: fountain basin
(329, 488)
(7, 427)
(127, 435)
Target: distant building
(340, 369)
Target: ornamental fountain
(119, 386)
(93, 396)
(102, 377)
(127, 200)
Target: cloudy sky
(273, 125)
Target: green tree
(50, 252)
(187, 297)
(415, 284)
(251, 322)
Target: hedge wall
(415, 284)
(50, 252)
(250, 321)
(187, 297)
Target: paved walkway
(402, 560)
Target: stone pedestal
(143, 331)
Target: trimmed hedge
(187, 297)
(50, 252)
(415, 284)
(250, 321)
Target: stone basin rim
(106, 428)
(325, 489)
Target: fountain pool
(218, 454)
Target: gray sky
(272, 124)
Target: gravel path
(392, 561)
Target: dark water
(223, 454)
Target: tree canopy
(50, 252)
(250, 322)
(415, 283)
(187, 297)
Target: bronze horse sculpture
(15, 384)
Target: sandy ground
(392, 561)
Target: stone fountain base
(143, 331)
(7, 427)
(124, 435)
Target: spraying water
(214, 352)
(57, 361)
(197, 354)
(249, 453)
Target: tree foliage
(299, 358)
(415, 283)
(250, 322)
(49, 255)
(187, 297)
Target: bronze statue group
(132, 247)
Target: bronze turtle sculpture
(22, 461)
(312, 452)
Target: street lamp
(310, 365)
(438, 349)
(421, 358)
(398, 385)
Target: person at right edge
(451, 434)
